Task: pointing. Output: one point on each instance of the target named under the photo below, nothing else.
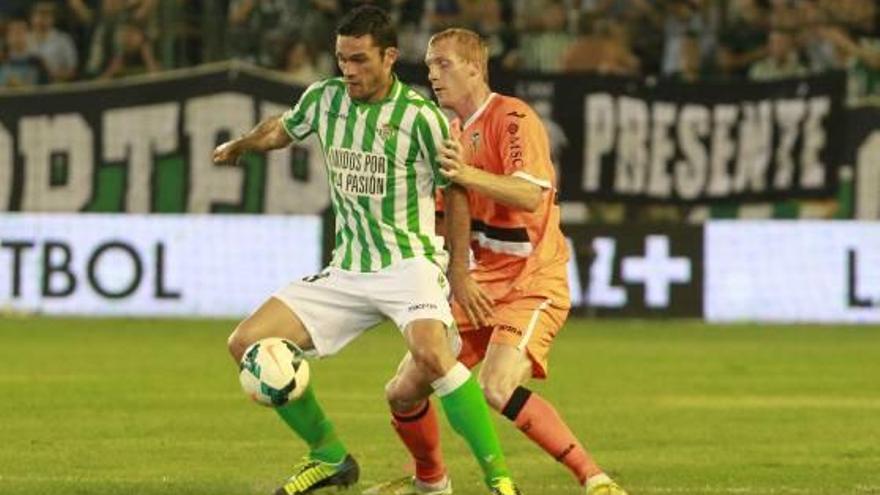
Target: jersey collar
(473, 118)
(393, 94)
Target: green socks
(468, 414)
(307, 419)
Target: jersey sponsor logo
(514, 150)
(421, 306)
(358, 173)
(509, 329)
(516, 114)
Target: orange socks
(421, 434)
(535, 417)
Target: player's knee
(497, 388)
(239, 340)
(398, 398)
(431, 362)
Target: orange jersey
(514, 249)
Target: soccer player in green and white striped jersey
(380, 142)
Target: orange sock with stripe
(539, 420)
(421, 434)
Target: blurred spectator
(820, 53)
(10, 9)
(643, 26)
(861, 59)
(545, 41)
(599, 50)
(784, 14)
(782, 59)
(257, 25)
(442, 14)
(684, 26)
(103, 20)
(744, 38)
(13, 9)
(413, 29)
(54, 47)
(20, 68)
(682, 39)
(133, 55)
(500, 38)
(859, 16)
(298, 63)
(259, 28)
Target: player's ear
(390, 56)
(474, 70)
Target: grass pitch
(153, 407)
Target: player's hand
(228, 153)
(452, 164)
(475, 303)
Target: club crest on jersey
(386, 131)
(475, 140)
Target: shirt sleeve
(302, 119)
(433, 129)
(525, 149)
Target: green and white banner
(145, 147)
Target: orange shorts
(527, 322)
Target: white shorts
(337, 305)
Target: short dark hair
(369, 19)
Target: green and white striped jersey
(383, 168)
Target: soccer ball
(273, 372)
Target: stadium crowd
(47, 41)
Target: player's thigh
(530, 325)
(321, 314)
(410, 290)
(414, 293)
(272, 319)
(334, 308)
(409, 386)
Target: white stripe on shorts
(532, 324)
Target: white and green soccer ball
(273, 372)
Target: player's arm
(266, 136)
(457, 218)
(508, 190)
(277, 131)
(457, 227)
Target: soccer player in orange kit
(511, 304)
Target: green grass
(154, 407)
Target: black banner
(145, 146)
(637, 271)
(632, 140)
